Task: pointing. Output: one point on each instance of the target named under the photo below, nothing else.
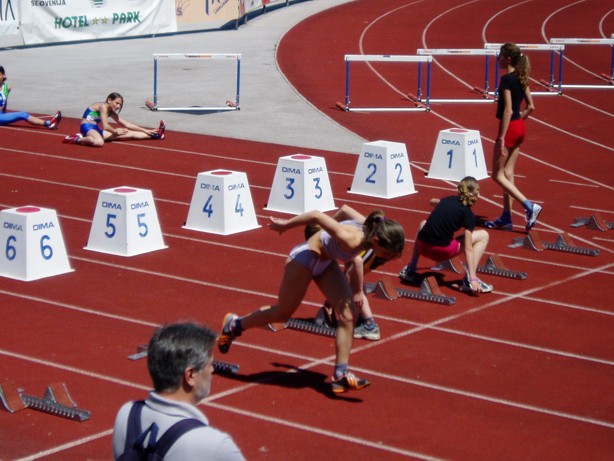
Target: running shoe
(499, 224)
(484, 287)
(348, 382)
(363, 332)
(227, 336)
(55, 120)
(409, 277)
(74, 139)
(159, 134)
(532, 216)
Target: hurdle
(609, 78)
(419, 106)
(229, 105)
(487, 53)
(552, 88)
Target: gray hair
(174, 348)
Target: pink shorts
(515, 134)
(437, 253)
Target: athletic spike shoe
(484, 287)
(74, 139)
(409, 277)
(159, 134)
(55, 120)
(499, 224)
(532, 216)
(348, 382)
(465, 285)
(362, 332)
(227, 336)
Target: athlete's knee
(508, 173)
(346, 312)
(481, 236)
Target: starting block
(304, 325)
(383, 171)
(494, 266)
(125, 223)
(56, 401)
(595, 222)
(563, 243)
(221, 203)
(220, 368)
(301, 184)
(458, 154)
(32, 244)
(429, 291)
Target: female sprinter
(317, 259)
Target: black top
(510, 82)
(449, 216)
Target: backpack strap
(134, 424)
(174, 432)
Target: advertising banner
(49, 21)
(205, 14)
(9, 23)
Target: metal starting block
(564, 243)
(56, 401)
(494, 266)
(304, 325)
(220, 368)
(595, 222)
(429, 291)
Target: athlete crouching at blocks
(96, 128)
(317, 259)
(366, 326)
(436, 239)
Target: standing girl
(96, 128)
(513, 90)
(317, 259)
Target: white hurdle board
(464, 52)
(607, 78)
(229, 105)
(553, 88)
(368, 58)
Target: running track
(524, 373)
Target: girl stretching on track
(513, 90)
(96, 129)
(316, 259)
(436, 240)
(12, 117)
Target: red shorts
(515, 133)
(437, 253)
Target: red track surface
(526, 372)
